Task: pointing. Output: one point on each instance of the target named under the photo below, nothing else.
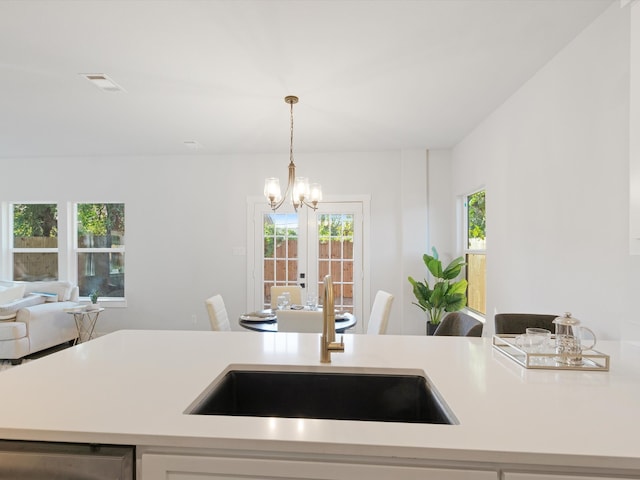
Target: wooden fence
(476, 276)
(335, 258)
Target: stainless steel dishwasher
(69, 461)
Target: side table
(85, 322)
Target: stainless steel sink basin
(366, 395)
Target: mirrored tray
(591, 359)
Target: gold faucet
(328, 342)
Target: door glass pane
(280, 240)
(335, 257)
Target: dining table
(267, 321)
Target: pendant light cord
(291, 138)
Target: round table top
(83, 309)
(344, 321)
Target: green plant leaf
(433, 264)
(437, 298)
(446, 296)
(454, 268)
(456, 302)
(458, 287)
(421, 292)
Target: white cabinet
(196, 467)
(546, 476)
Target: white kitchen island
(132, 387)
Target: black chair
(517, 323)
(457, 324)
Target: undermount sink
(380, 395)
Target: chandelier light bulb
(315, 194)
(301, 189)
(272, 190)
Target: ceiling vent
(103, 82)
(192, 145)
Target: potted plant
(93, 296)
(446, 295)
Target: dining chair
(458, 324)
(380, 310)
(217, 313)
(303, 321)
(295, 294)
(517, 323)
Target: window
(475, 251)
(100, 249)
(34, 245)
(81, 243)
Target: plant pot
(431, 328)
(93, 306)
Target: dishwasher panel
(65, 461)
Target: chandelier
(298, 188)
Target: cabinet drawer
(187, 467)
(546, 476)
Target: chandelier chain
(291, 137)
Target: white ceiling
(370, 74)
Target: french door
(300, 248)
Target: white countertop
(132, 387)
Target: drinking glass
(536, 340)
(312, 301)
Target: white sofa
(33, 317)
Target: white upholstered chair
(380, 310)
(295, 294)
(304, 321)
(217, 313)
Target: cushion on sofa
(58, 291)
(8, 310)
(8, 295)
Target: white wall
(429, 223)
(185, 215)
(634, 130)
(554, 159)
(442, 212)
(414, 240)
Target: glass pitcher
(569, 346)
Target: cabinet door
(546, 476)
(187, 467)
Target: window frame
(12, 249)
(75, 251)
(466, 250)
(359, 205)
(67, 244)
